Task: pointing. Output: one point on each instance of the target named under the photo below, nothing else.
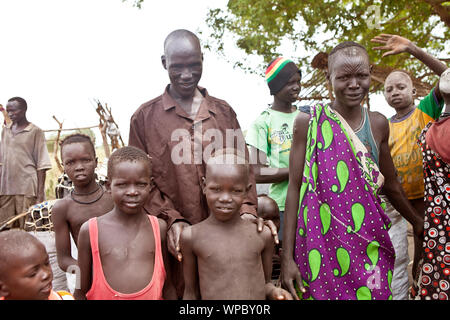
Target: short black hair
(21, 101)
(12, 242)
(77, 138)
(181, 34)
(344, 45)
(127, 154)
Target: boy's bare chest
(126, 252)
(218, 249)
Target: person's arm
(40, 197)
(84, 262)
(392, 187)
(62, 235)
(263, 173)
(169, 292)
(271, 291)
(190, 270)
(289, 269)
(395, 44)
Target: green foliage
(136, 3)
(260, 28)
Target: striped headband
(279, 72)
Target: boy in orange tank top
(122, 254)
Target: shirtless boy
(87, 200)
(122, 254)
(224, 257)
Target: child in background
(122, 254)
(88, 199)
(268, 210)
(404, 130)
(269, 138)
(434, 272)
(25, 271)
(224, 257)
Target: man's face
(349, 74)
(398, 90)
(184, 63)
(15, 111)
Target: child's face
(130, 185)
(29, 276)
(398, 90)
(289, 93)
(349, 75)
(79, 162)
(225, 188)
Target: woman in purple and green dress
(336, 243)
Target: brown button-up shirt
(22, 155)
(176, 144)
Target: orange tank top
(101, 290)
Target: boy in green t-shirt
(269, 137)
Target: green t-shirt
(271, 133)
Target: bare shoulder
(378, 120)
(302, 118)
(59, 209)
(186, 236)
(301, 124)
(265, 234)
(84, 231)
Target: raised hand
(393, 43)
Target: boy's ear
(203, 184)
(370, 68)
(4, 291)
(249, 186)
(108, 185)
(152, 183)
(414, 91)
(163, 61)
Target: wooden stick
(56, 145)
(55, 130)
(3, 226)
(5, 115)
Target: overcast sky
(60, 54)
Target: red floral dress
(435, 270)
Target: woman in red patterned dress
(434, 278)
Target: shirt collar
(169, 102)
(27, 128)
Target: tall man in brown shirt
(24, 161)
(178, 130)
